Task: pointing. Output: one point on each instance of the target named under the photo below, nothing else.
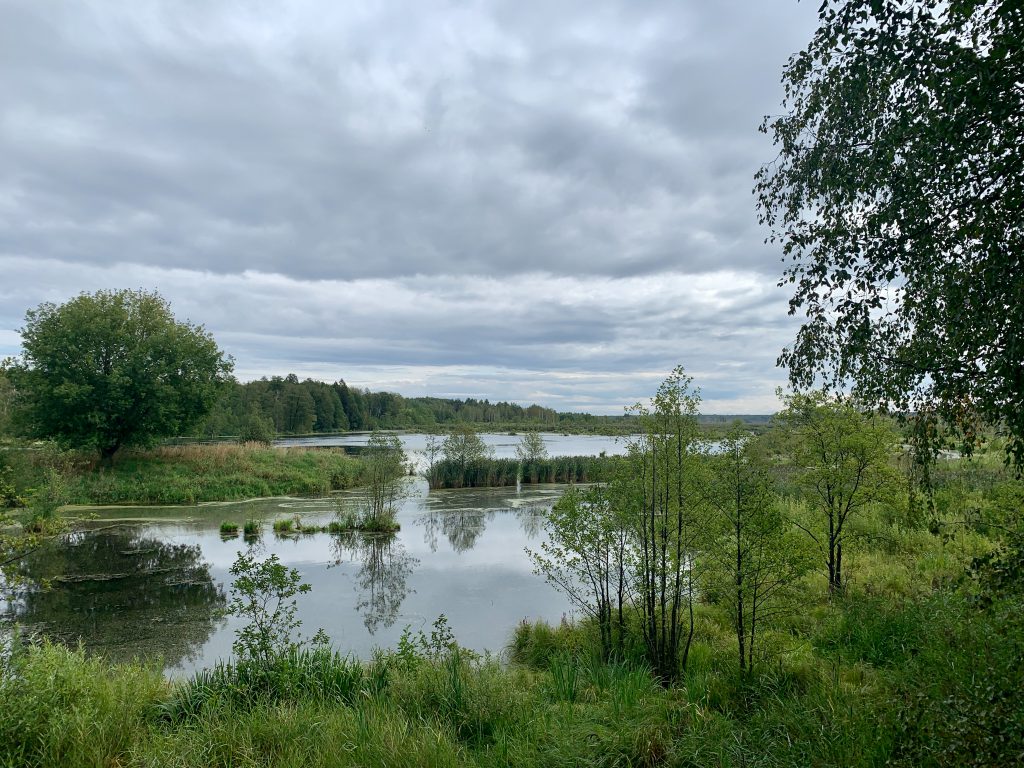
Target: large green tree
(113, 369)
(897, 198)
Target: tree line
(290, 406)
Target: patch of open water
(153, 582)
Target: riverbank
(184, 474)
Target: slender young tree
(530, 451)
(587, 556)
(660, 497)
(757, 559)
(841, 459)
(384, 463)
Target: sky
(535, 202)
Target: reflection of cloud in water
(122, 595)
(382, 579)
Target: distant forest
(288, 406)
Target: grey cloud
(483, 336)
(337, 141)
(537, 202)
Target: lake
(502, 445)
(153, 582)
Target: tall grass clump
(63, 708)
(318, 675)
(487, 472)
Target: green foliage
(7, 394)
(589, 555)
(383, 470)
(756, 558)
(659, 495)
(62, 708)
(252, 528)
(284, 525)
(495, 473)
(841, 461)
(463, 448)
(221, 472)
(229, 529)
(114, 369)
(531, 448)
(896, 198)
(9, 496)
(257, 429)
(417, 648)
(263, 593)
(294, 675)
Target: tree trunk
(107, 455)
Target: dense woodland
(288, 406)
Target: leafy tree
(384, 466)
(6, 402)
(463, 447)
(263, 593)
(256, 428)
(841, 459)
(431, 450)
(896, 196)
(587, 556)
(757, 559)
(114, 369)
(531, 448)
(661, 499)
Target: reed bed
(485, 473)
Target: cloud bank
(531, 202)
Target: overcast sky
(535, 201)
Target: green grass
(284, 525)
(929, 679)
(229, 529)
(224, 472)
(252, 528)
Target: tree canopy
(113, 369)
(897, 197)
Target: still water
(153, 582)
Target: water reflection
(462, 525)
(458, 552)
(121, 594)
(382, 580)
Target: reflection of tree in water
(122, 595)
(462, 527)
(382, 579)
(531, 520)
